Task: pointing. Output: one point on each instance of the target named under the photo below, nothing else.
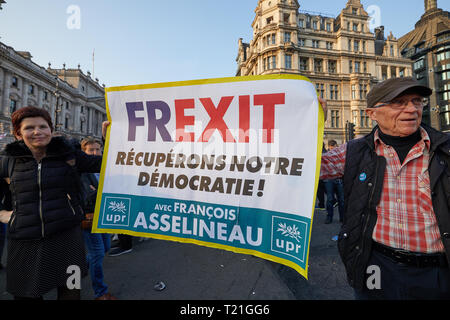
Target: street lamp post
(57, 110)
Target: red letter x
(216, 121)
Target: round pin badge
(363, 176)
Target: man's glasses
(400, 103)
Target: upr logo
(289, 237)
(116, 211)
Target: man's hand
(5, 216)
(323, 102)
(105, 125)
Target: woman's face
(35, 133)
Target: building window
(288, 61)
(301, 23)
(445, 75)
(286, 18)
(66, 123)
(355, 27)
(349, 45)
(365, 67)
(329, 45)
(328, 27)
(363, 46)
(445, 117)
(14, 82)
(356, 46)
(443, 37)
(269, 20)
(287, 37)
(335, 119)
(67, 105)
(357, 66)
(30, 89)
(354, 11)
(318, 65)
(303, 63)
(355, 116)
(315, 25)
(419, 64)
(334, 92)
(320, 89)
(301, 42)
(272, 61)
(12, 106)
(364, 119)
(273, 38)
(332, 66)
(354, 92)
(443, 55)
(45, 95)
(315, 43)
(392, 50)
(362, 91)
(393, 72)
(350, 66)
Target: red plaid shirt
(406, 218)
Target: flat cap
(389, 89)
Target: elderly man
(395, 239)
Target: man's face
(93, 149)
(400, 122)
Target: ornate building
(74, 99)
(428, 46)
(340, 55)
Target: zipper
(40, 197)
(70, 204)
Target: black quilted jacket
(45, 195)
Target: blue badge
(362, 177)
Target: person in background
(395, 239)
(321, 189)
(97, 244)
(45, 241)
(334, 187)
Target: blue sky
(149, 41)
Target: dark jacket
(88, 195)
(45, 195)
(363, 195)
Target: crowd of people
(391, 189)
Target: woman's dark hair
(29, 112)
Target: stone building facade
(73, 98)
(340, 55)
(428, 46)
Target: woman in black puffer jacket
(45, 243)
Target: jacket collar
(58, 146)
